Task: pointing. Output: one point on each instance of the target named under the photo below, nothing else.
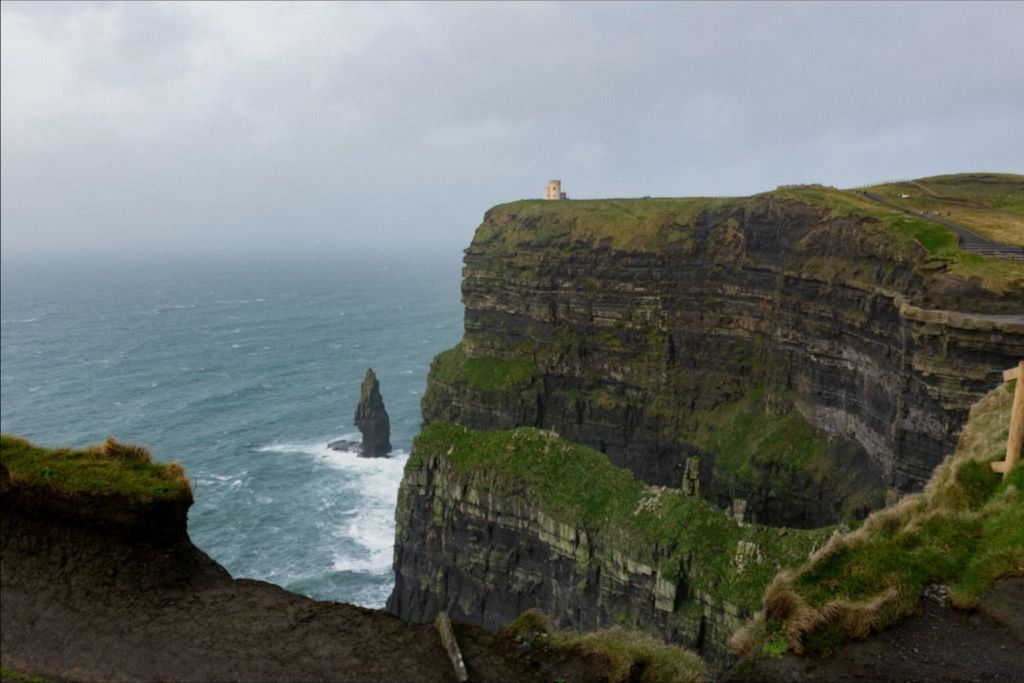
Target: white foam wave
(369, 524)
(230, 482)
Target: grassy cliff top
(579, 486)
(623, 224)
(964, 531)
(107, 469)
(990, 204)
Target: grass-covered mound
(579, 486)
(632, 657)
(964, 531)
(108, 469)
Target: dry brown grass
(107, 468)
(112, 448)
(865, 580)
(632, 657)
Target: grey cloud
(241, 126)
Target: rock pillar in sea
(372, 419)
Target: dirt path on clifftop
(939, 644)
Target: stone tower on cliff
(554, 190)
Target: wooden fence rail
(1013, 444)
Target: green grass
(495, 373)
(109, 469)
(757, 450)
(991, 204)
(622, 224)
(752, 451)
(939, 242)
(632, 656)
(11, 676)
(487, 373)
(745, 439)
(965, 530)
(579, 486)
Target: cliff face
(791, 358)
(643, 336)
(492, 524)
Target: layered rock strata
(793, 361)
(629, 345)
(481, 535)
(372, 418)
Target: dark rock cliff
(488, 539)
(793, 363)
(639, 350)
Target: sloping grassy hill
(991, 204)
(964, 531)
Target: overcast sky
(203, 128)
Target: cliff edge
(101, 582)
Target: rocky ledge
(103, 585)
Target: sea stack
(372, 419)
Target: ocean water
(241, 371)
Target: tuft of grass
(110, 468)
(965, 530)
(632, 656)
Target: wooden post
(1013, 444)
